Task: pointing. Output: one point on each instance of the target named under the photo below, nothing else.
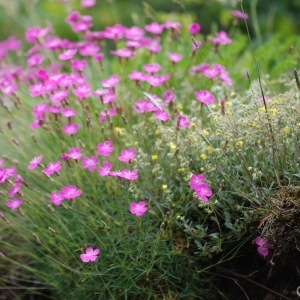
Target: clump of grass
(134, 171)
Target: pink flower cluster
(66, 193)
(154, 104)
(214, 71)
(201, 189)
(263, 246)
(9, 178)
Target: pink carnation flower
(14, 203)
(105, 170)
(127, 155)
(203, 192)
(205, 97)
(57, 198)
(53, 167)
(194, 28)
(70, 128)
(35, 162)
(70, 192)
(105, 149)
(138, 209)
(90, 163)
(196, 181)
(89, 255)
(128, 174)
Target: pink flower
(70, 128)
(89, 49)
(115, 32)
(194, 28)
(129, 175)
(53, 167)
(263, 246)
(127, 155)
(82, 91)
(105, 114)
(68, 112)
(90, 163)
(109, 97)
(59, 95)
(42, 75)
(211, 72)
(162, 115)
(134, 33)
(169, 96)
(205, 97)
(105, 149)
(35, 60)
(36, 89)
(172, 25)
(157, 80)
(78, 65)
(111, 82)
(196, 181)
(137, 76)
(35, 33)
(88, 3)
(175, 57)
(183, 122)
(14, 203)
(154, 28)
(35, 162)
(221, 39)
(138, 209)
(89, 255)
(74, 153)
(239, 15)
(70, 192)
(105, 170)
(152, 68)
(123, 53)
(14, 190)
(57, 198)
(203, 192)
(68, 54)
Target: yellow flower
(164, 187)
(253, 124)
(286, 130)
(119, 130)
(203, 156)
(181, 170)
(154, 157)
(205, 132)
(273, 111)
(172, 146)
(239, 144)
(210, 149)
(179, 107)
(157, 132)
(202, 169)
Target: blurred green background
(266, 17)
